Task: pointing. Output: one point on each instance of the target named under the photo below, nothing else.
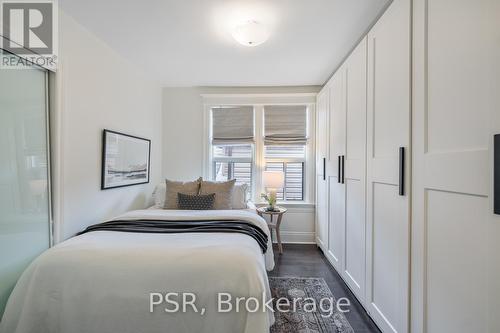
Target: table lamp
(273, 180)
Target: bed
(102, 281)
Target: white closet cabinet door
(388, 122)
(456, 236)
(336, 185)
(353, 270)
(322, 110)
(322, 213)
(322, 132)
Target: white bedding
(100, 282)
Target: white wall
(96, 88)
(297, 225)
(183, 145)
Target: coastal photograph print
(125, 160)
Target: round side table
(274, 225)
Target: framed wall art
(125, 160)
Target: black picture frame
(496, 174)
(133, 174)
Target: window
(232, 143)
(285, 140)
(246, 140)
(233, 162)
(290, 160)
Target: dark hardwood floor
(308, 261)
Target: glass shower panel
(24, 191)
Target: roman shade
(232, 125)
(285, 125)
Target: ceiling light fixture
(250, 33)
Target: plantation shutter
(232, 125)
(285, 125)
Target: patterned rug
(303, 320)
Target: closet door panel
(356, 105)
(322, 129)
(337, 118)
(322, 132)
(388, 122)
(457, 262)
(336, 186)
(387, 217)
(355, 170)
(390, 90)
(24, 172)
(322, 213)
(456, 236)
(354, 268)
(452, 62)
(336, 224)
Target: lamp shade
(274, 179)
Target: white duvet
(100, 282)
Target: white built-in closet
(405, 167)
(456, 112)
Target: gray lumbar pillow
(174, 187)
(196, 202)
(223, 192)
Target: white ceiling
(189, 43)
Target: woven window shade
(232, 125)
(285, 125)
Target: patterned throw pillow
(196, 202)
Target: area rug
(301, 319)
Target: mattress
(103, 281)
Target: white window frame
(258, 101)
(304, 172)
(213, 159)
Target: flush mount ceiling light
(251, 33)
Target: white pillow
(239, 200)
(159, 194)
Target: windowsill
(289, 204)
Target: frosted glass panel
(24, 195)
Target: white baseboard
(296, 237)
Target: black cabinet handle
(324, 168)
(343, 169)
(496, 174)
(339, 166)
(401, 170)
